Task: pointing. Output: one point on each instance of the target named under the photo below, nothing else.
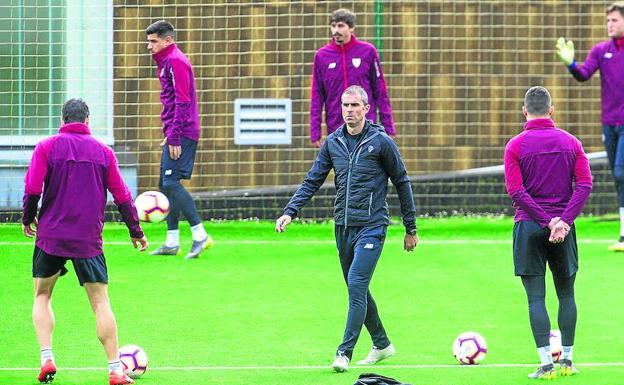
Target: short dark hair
(162, 28)
(618, 6)
(75, 110)
(537, 101)
(343, 15)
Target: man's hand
(30, 230)
(553, 221)
(565, 51)
(142, 241)
(282, 222)
(175, 152)
(410, 242)
(558, 232)
(317, 143)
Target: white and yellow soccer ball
(152, 206)
(555, 345)
(133, 360)
(469, 348)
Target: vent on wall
(262, 121)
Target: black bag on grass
(376, 379)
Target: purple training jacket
(608, 57)
(74, 170)
(547, 174)
(337, 67)
(180, 114)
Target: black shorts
(181, 168)
(531, 251)
(88, 270)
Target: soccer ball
(152, 206)
(133, 360)
(469, 348)
(555, 345)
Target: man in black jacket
(363, 158)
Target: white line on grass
(327, 241)
(323, 367)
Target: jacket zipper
(344, 67)
(348, 183)
(358, 149)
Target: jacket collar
(619, 43)
(75, 128)
(539, 123)
(365, 131)
(163, 53)
(347, 46)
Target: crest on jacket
(356, 61)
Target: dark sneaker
(48, 371)
(199, 246)
(546, 372)
(166, 250)
(566, 368)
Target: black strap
(376, 379)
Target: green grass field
(267, 308)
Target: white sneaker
(617, 246)
(375, 355)
(341, 363)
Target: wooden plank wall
(456, 72)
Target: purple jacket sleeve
(582, 186)
(181, 84)
(582, 72)
(317, 100)
(515, 187)
(380, 95)
(123, 198)
(34, 179)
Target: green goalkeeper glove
(565, 51)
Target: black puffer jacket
(361, 179)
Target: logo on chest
(608, 55)
(356, 61)
(370, 148)
(331, 65)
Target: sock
(545, 355)
(621, 224)
(199, 234)
(173, 238)
(46, 354)
(567, 352)
(114, 366)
